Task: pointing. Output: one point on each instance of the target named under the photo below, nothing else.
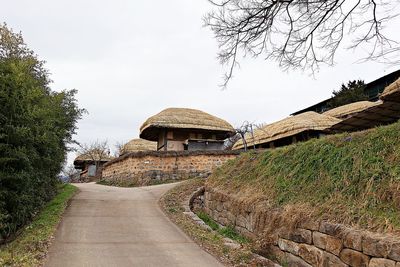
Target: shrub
(36, 126)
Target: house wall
(174, 138)
(195, 145)
(308, 243)
(143, 168)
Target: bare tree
(241, 132)
(71, 173)
(119, 146)
(97, 152)
(301, 33)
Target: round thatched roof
(183, 118)
(138, 144)
(288, 127)
(392, 92)
(350, 109)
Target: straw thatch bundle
(351, 109)
(289, 127)
(136, 145)
(183, 118)
(392, 92)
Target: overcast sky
(131, 59)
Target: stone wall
(308, 243)
(142, 168)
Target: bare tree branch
(301, 33)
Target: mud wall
(143, 167)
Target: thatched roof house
(351, 109)
(90, 157)
(175, 128)
(289, 130)
(90, 163)
(138, 144)
(384, 111)
(392, 92)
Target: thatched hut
(392, 92)
(138, 144)
(350, 110)
(289, 130)
(186, 129)
(91, 162)
(384, 111)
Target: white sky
(131, 59)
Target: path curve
(112, 226)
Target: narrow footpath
(111, 226)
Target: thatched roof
(290, 126)
(183, 118)
(351, 109)
(93, 155)
(382, 112)
(392, 92)
(138, 144)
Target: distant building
(180, 129)
(90, 164)
(372, 89)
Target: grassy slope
(347, 178)
(30, 248)
(212, 242)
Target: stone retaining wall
(143, 167)
(309, 243)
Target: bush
(36, 126)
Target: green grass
(30, 248)
(348, 178)
(228, 231)
(207, 220)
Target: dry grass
(349, 178)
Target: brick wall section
(142, 167)
(311, 244)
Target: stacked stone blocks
(309, 243)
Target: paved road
(110, 226)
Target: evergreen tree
(36, 125)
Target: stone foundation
(142, 168)
(306, 244)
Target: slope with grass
(352, 179)
(30, 248)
